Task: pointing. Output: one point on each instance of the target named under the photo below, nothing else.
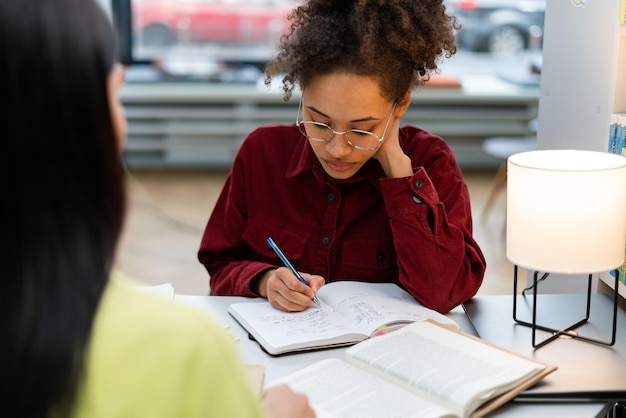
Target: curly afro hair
(398, 42)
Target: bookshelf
(619, 108)
(583, 83)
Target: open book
(421, 370)
(351, 312)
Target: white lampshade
(566, 211)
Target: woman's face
(345, 101)
(115, 81)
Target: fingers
(281, 401)
(315, 281)
(287, 293)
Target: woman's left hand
(391, 156)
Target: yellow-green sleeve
(151, 357)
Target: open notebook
(351, 312)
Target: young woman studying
(346, 192)
(78, 343)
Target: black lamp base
(569, 331)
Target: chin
(340, 175)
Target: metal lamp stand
(569, 331)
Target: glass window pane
(232, 40)
(200, 37)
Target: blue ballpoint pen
(290, 266)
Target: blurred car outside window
(232, 40)
(200, 38)
(499, 27)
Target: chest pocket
(367, 254)
(256, 234)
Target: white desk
(277, 367)
(585, 370)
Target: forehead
(346, 95)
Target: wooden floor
(167, 212)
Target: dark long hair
(61, 193)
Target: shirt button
(331, 197)
(325, 240)
(417, 199)
(380, 258)
(418, 184)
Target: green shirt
(152, 357)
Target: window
(195, 75)
(211, 40)
(231, 40)
(499, 27)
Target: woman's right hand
(285, 292)
(282, 402)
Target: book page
(339, 390)
(279, 331)
(371, 306)
(442, 365)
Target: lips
(339, 166)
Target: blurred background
(231, 40)
(194, 88)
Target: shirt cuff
(409, 194)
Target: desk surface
(585, 370)
(276, 367)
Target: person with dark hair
(77, 342)
(346, 192)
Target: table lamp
(566, 213)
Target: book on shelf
(617, 134)
(350, 312)
(421, 370)
(621, 139)
(617, 145)
(621, 270)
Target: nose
(338, 146)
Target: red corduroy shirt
(414, 231)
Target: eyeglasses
(356, 138)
